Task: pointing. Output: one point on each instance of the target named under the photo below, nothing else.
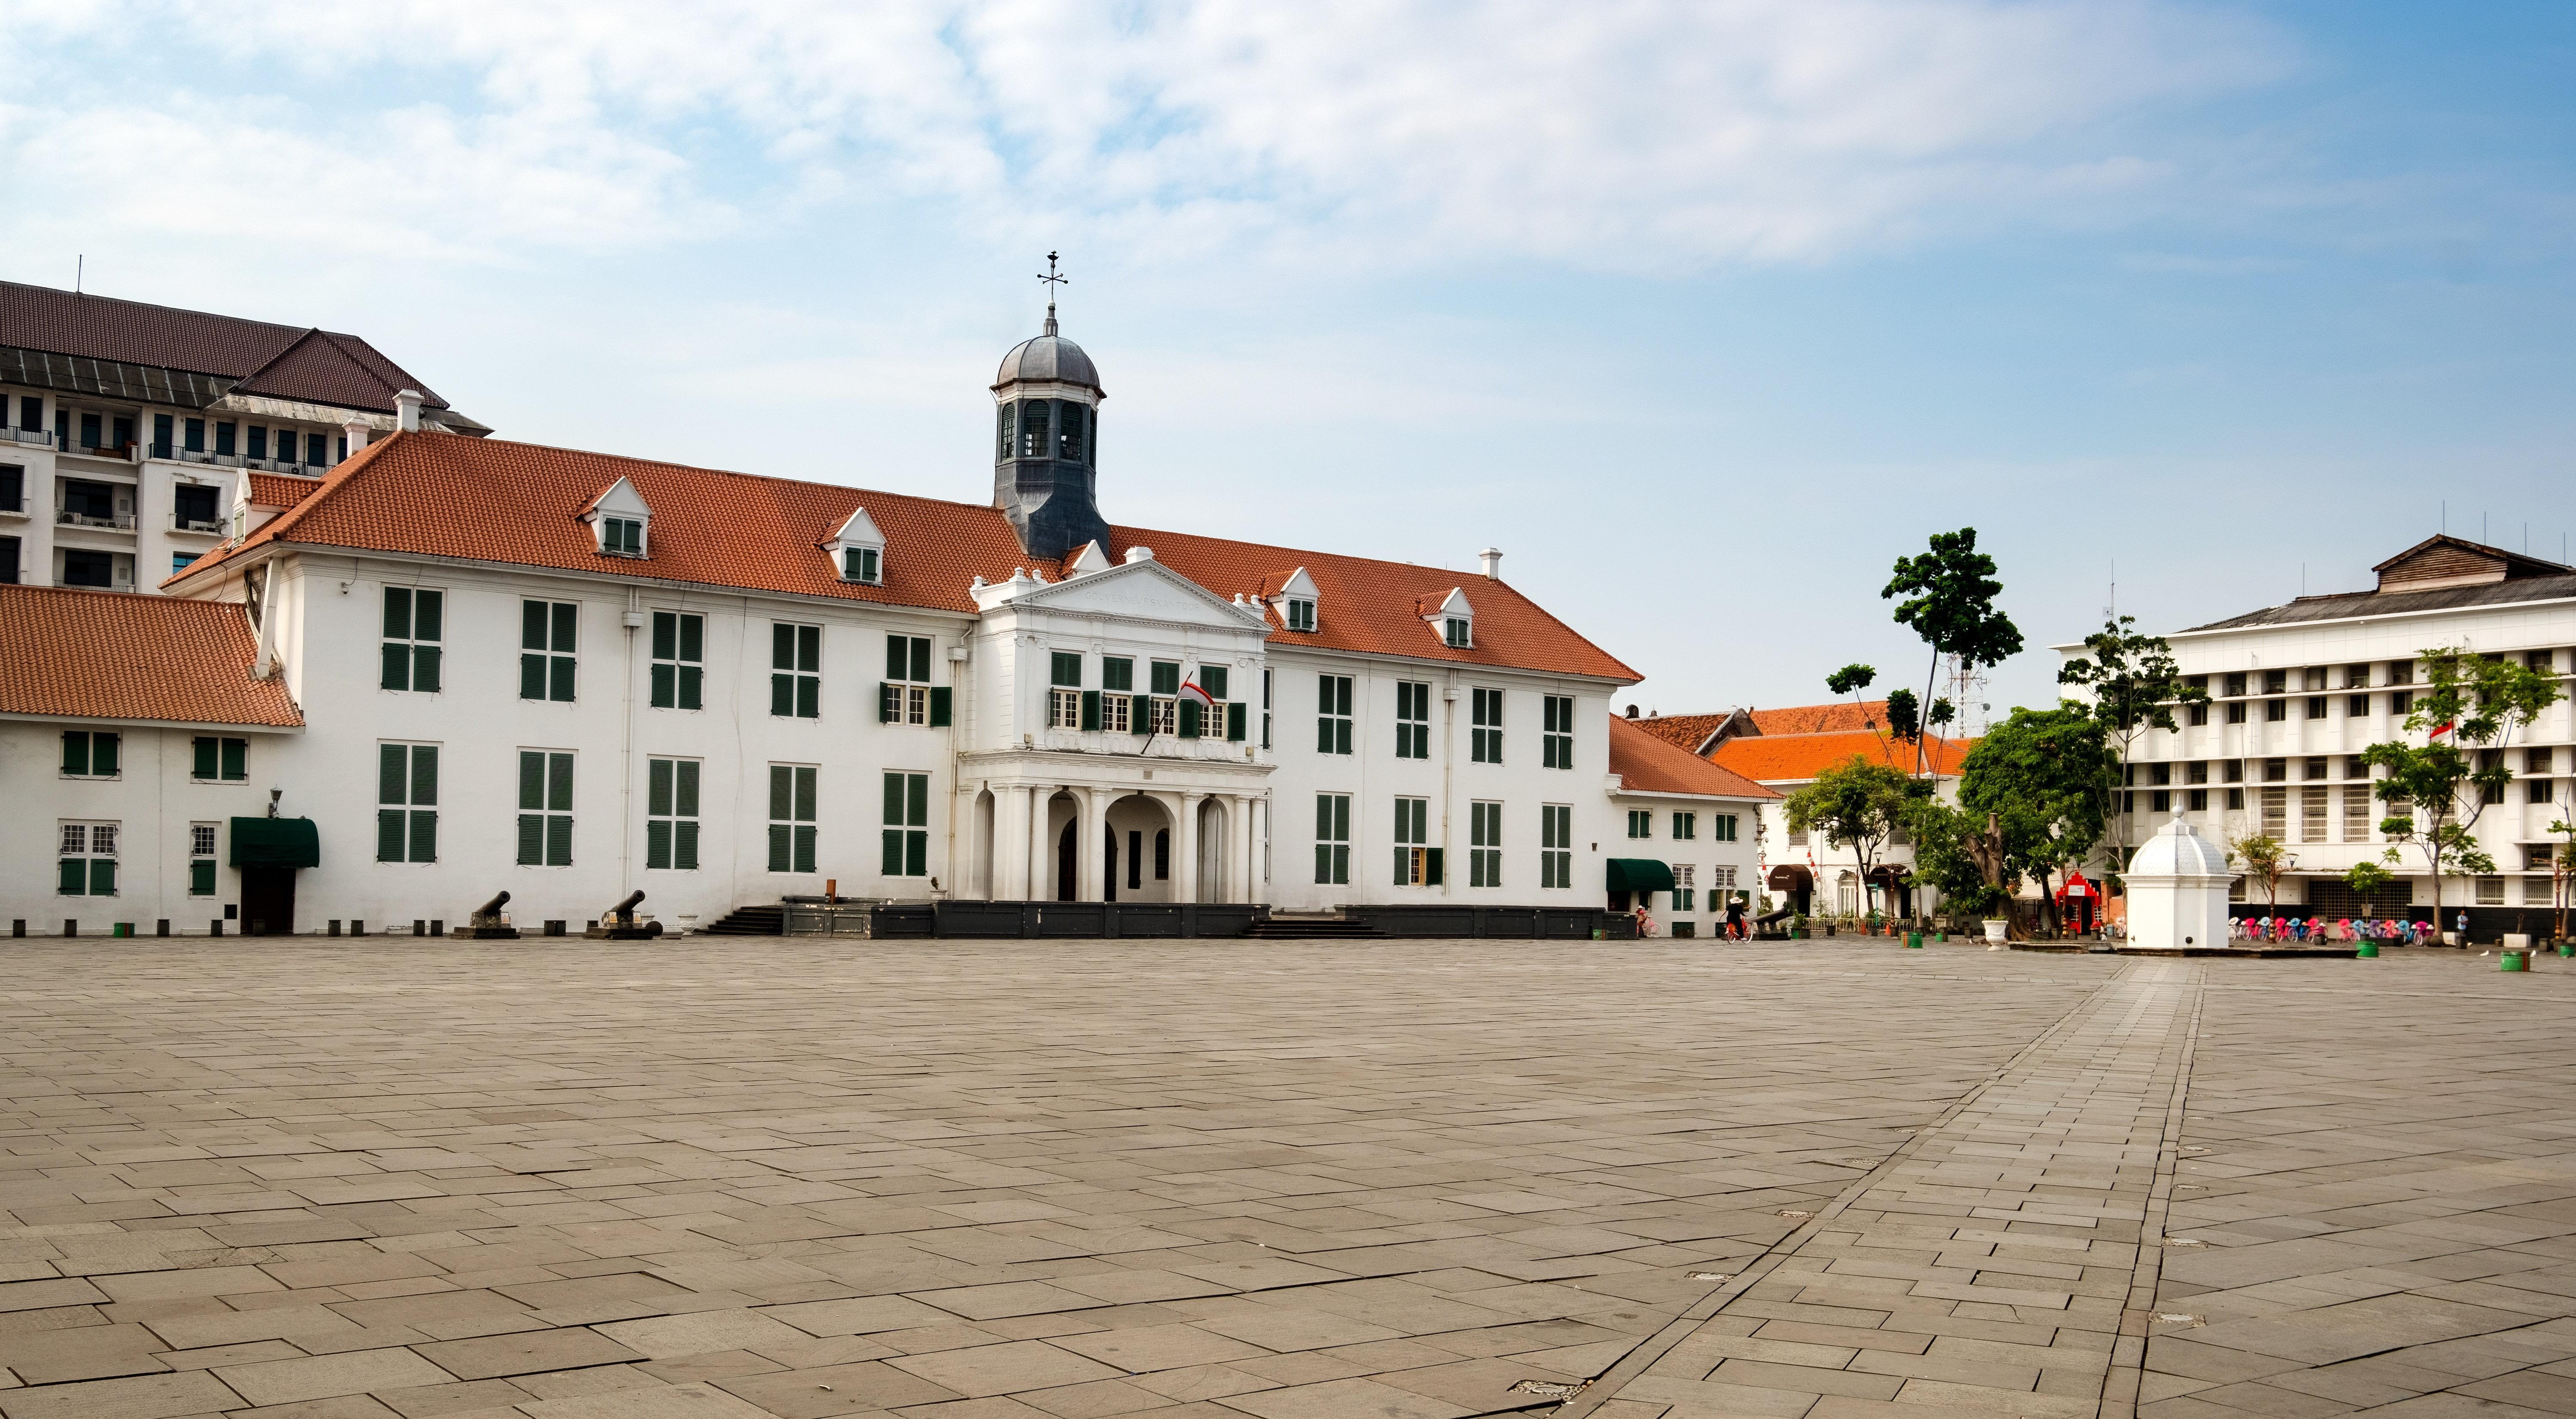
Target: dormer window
(1296, 598)
(1453, 620)
(858, 550)
(1454, 630)
(621, 521)
(1301, 615)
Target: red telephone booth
(2077, 901)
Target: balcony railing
(115, 521)
(34, 436)
(195, 524)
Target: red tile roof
(1842, 716)
(1649, 764)
(1687, 730)
(280, 490)
(281, 361)
(1796, 758)
(117, 656)
(441, 495)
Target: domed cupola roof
(1049, 358)
(2177, 851)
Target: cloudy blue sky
(1703, 312)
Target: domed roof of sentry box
(1049, 358)
(2177, 851)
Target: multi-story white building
(126, 429)
(1784, 750)
(2298, 691)
(459, 665)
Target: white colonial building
(2298, 691)
(127, 430)
(457, 665)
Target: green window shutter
(1323, 864)
(398, 613)
(392, 774)
(1403, 866)
(809, 649)
(559, 782)
(567, 618)
(424, 669)
(75, 751)
(532, 839)
(917, 800)
(690, 679)
(1234, 721)
(236, 758)
(805, 795)
(424, 774)
(809, 697)
(666, 635)
(940, 712)
(782, 793)
(532, 625)
(1341, 866)
(1140, 714)
(424, 835)
(1212, 680)
(921, 659)
(429, 618)
(1091, 709)
(894, 800)
(782, 646)
(804, 848)
(532, 781)
(693, 637)
(780, 854)
(74, 878)
(559, 684)
(204, 765)
(102, 877)
(916, 854)
(898, 657)
(201, 877)
(782, 695)
(1117, 672)
(1189, 719)
(103, 754)
(389, 835)
(1431, 867)
(885, 703)
(685, 853)
(657, 789)
(1341, 736)
(1064, 669)
(1324, 735)
(532, 677)
(890, 862)
(687, 804)
(666, 686)
(559, 840)
(397, 666)
(1163, 677)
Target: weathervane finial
(1053, 280)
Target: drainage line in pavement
(1654, 1347)
(2123, 1377)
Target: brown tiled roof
(1796, 758)
(281, 361)
(1687, 730)
(281, 490)
(117, 656)
(1651, 764)
(1839, 717)
(441, 495)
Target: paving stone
(324, 1376)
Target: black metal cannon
(487, 923)
(618, 924)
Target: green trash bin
(2366, 951)
(1914, 941)
(2512, 961)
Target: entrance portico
(1022, 805)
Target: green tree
(1855, 803)
(1950, 593)
(1851, 680)
(2040, 774)
(2562, 871)
(1904, 715)
(1959, 855)
(2265, 858)
(2134, 686)
(2469, 712)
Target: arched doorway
(1137, 850)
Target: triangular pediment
(619, 500)
(1143, 590)
(859, 531)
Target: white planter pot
(1995, 930)
(2450, 938)
(2517, 941)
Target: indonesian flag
(2439, 730)
(1190, 691)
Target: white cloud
(1621, 134)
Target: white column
(1010, 867)
(1185, 849)
(1090, 861)
(1238, 856)
(1041, 846)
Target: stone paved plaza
(1404, 1179)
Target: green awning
(1639, 874)
(276, 842)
